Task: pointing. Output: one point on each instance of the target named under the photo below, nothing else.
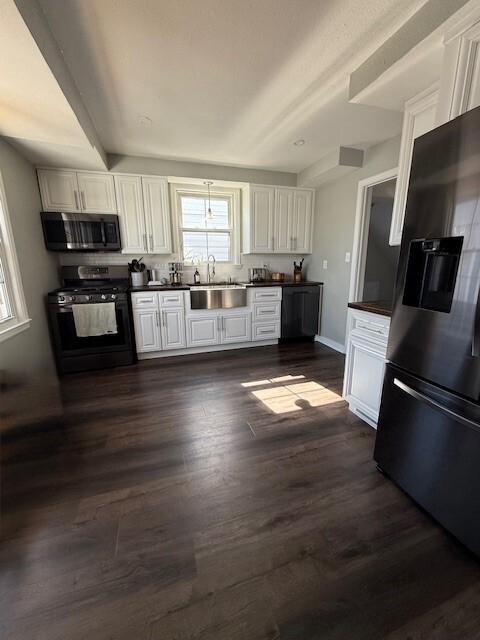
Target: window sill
(15, 329)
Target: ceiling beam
(36, 23)
(332, 166)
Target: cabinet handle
(223, 323)
(219, 323)
(151, 243)
(164, 317)
(266, 331)
(157, 319)
(77, 205)
(273, 243)
(84, 202)
(145, 244)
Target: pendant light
(209, 210)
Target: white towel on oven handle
(95, 319)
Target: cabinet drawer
(266, 311)
(168, 299)
(144, 299)
(266, 294)
(371, 326)
(266, 331)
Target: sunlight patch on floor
(287, 398)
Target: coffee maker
(175, 271)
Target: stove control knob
(72, 299)
(104, 297)
(87, 298)
(61, 298)
(113, 296)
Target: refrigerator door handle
(476, 329)
(436, 405)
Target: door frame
(360, 235)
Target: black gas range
(91, 285)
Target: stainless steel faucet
(210, 269)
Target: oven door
(81, 232)
(68, 344)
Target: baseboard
(149, 355)
(330, 343)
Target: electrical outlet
(325, 264)
(347, 256)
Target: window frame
(20, 320)
(201, 191)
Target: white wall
(333, 236)
(30, 350)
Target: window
(13, 311)
(205, 234)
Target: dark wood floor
(176, 500)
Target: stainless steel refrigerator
(428, 438)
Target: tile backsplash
(223, 271)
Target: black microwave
(81, 231)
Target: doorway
(374, 260)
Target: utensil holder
(138, 278)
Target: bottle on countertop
(196, 277)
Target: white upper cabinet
(59, 190)
(77, 191)
(157, 215)
(419, 118)
(283, 220)
(130, 211)
(261, 220)
(97, 193)
(460, 82)
(278, 220)
(302, 221)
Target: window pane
(194, 246)
(5, 309)
(198, 245)
(194, 213)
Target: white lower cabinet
(173, 328)
(367, 337)
(236, 328)
(147, 329)
(202, 330)
(165, 321)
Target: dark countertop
(286, 283)
(382, 307)
(186, 287)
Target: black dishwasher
(300, 309)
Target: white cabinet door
(302, 222)
(173, 328)
(59, 190)
(130, 210)
(283, 224)
(203, 330)
(147, 330)
(236, 328)
(366, 368)
(97, 192)
(157, 215)
(261, 220)
(419, 118)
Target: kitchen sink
(218, 296)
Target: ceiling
(231, 82)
